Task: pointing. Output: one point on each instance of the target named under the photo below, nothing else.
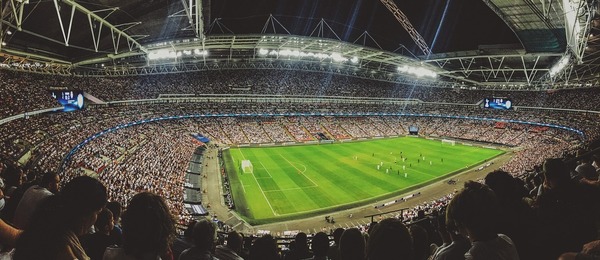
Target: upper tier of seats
(24, 92)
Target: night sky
(446, 25)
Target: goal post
(247, 166)
(450, 142)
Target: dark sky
(446, 25)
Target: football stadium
(259, 130)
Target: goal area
(247, 166)
(450, 142)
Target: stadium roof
(487, 43)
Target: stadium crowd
(496, 218)
(26, 92)
(547, 211)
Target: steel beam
(93, 17)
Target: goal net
(247, 167)
(450, 142)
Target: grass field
(297, 181)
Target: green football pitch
(297, 181)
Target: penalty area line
(266, 169)
(299, 172)
(264, 195)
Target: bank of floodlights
(285, 53)
(559, 66)
(417, 71)
(172, 54)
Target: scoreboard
(497, 103)
(70, 99)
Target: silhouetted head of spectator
(264, 248)
(105, 222)
(205, 234)
(234, 241)
(337, 234)
(556, 173)
(390, 239)
(352, 245)
(301, 240)
(13, 177)
(116, 209)
(148, 226)
(420, 241)
(320, 244)
(83, 198)
(188, 233)
(473, 210)
(502, 183)
(50, 181)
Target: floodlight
(559, 66)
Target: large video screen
(497, 103)
(70, 99)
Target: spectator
(95, 244)
(390, 239)
(515, 218)
(204, 236)
(33, 196)
(421, 242)
(264, 248)
(590, 251)
(186, 241)
(299, 250)
(566, 211)
(585, 170)
(116, 209)
(320, 245)
(8, 234)
(334, 250)
(59, 220)
(458, 245)
(352, 245)
(148, 229)
(233, 249)
(474, 211)
(14, 177)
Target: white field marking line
(314, 183)
(240, 149)
(288, 189)
(264, 195)
(244, 189)
(266, 169)
(422, 172)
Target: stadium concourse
(122, 145)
